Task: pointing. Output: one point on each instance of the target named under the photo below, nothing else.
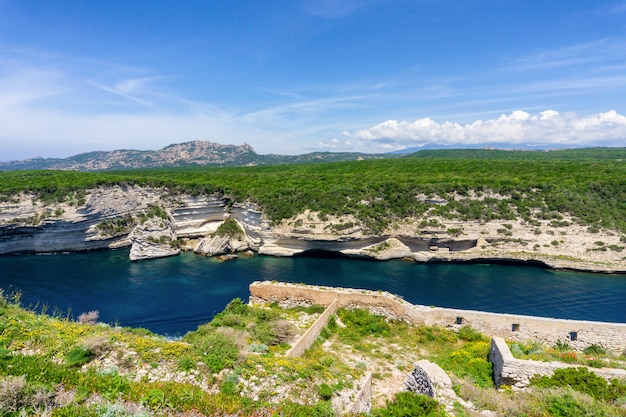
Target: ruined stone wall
(363, 401)
(307, 339)
(578, 334)
(517, 373)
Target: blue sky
(292, 77)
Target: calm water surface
(173, 295)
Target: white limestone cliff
(104, 217)
(153, 239)
(220, 245)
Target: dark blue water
(174, 295)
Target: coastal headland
(562, 209)
(156, 223)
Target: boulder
(220, 245)
(441, 385)
(153, 239)
(391, 248)
(418, 381)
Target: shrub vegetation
(48, 367)
(589, 184)
(582, 380)
(409, 404)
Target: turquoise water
(173, 295)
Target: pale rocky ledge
(115, 216)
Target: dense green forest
(479, 185)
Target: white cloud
(518, 128)
(22, 85)
(601, 52)
(132, 85)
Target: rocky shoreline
(155, 223)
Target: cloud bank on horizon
(548, 128)
(307, 75)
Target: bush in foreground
(409, 404)
(582, 380)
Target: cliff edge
(156, 223)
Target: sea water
(173, 295)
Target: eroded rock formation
(104, 218)
(155, 238)
(220, 245)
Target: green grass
(29, 381)
(229, 228)
(593, 355)
(408, 404)
(78, 356)
(58, 338)
(582, 380)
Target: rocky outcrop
(220, 245)
(391, 248)
(181, 154)
(103, 218)
(107, 218)
(193, 153)
(153, 239)
(419, 382)
(100, 219)
(229, 238)
(195, 216)
(440, 384)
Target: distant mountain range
(194, 153)
(205, 153)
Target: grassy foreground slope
(478, 185)
(54, 366)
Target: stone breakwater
(578, 334)
(111, 217)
